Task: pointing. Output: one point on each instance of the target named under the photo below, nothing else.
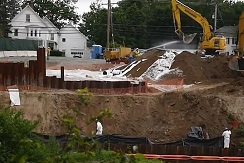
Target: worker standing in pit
(226, 134)
(99, 127)
(48, 52)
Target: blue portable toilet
(96, 51)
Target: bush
(14, 130)
(57, 53)
(240, 130)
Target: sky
(84, 5)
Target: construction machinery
(237, 63)
(117, 55)
(209, 43)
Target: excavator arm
(177, 8)
(210, 43)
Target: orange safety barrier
(206, 158)
(186, 157)
(175, 157)
(151, 156)
(233, 159)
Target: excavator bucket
(237, 64)
(187, 39)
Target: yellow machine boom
(210, 43)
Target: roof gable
(228, 31)
(74, 28)
(49, 23)
(27, 8)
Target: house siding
(74, 41)
(47, 34)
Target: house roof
(228, 31)
(26, 7)
(71, 26)
(48, 22)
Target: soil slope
(215, 103)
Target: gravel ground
(55, 63)
(54, 60)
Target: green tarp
(9, 44)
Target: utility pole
(108, 23)
(215, 16)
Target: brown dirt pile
(197, 69)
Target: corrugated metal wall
(32, 76)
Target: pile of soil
(197, 69)
(194, 68)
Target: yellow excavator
(237, 63)
(209, 43)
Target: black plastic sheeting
(9, 44)
(116, 139)
(122, 139)
(215, 142)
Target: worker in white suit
(226, 134)
(99, 127)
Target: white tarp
(18, 53)
(14, 97)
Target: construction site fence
(189, 154)
(31, 75)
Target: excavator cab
(214, 45)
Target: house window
(27, 17)
(31, 33)
(16, 32)
(63, 39)
(35, 33)
(52, 36)
(228, 40)
(233, 41)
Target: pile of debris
(158, 65)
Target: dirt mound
(197, 69)
(193, 68)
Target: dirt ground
(215, 101)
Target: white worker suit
(99, 128)
(226, 134)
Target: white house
(72, 41)
(27, 24)
(230, 33)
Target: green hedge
(57, 53)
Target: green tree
(8, 9)
(14, 130)
(142, 23)
(59, 12)
(94, 24)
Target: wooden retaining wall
(32, 76)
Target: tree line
(134, 23)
